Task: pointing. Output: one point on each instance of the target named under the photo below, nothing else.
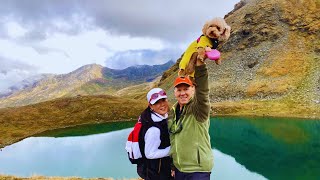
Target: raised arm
(201, 104)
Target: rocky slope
(270, 62)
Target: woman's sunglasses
(156, 95)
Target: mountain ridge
(91, 79)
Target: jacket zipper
(159, 167)
(180, 119)
(177, 155)
(198, 153)
(178, 161)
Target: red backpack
(135, 142)
(132, 145)
(133, 149)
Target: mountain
(141, 73)
(31, 81)
(90, 79)
(270, 62)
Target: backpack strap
(147, 122)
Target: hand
(207, 49)
(182, 73)
(201, 61)
(201, 53)
(201, 58)
(172, 173)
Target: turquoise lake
(244, 148)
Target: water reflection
(244, 148)
(277, 148)
(100, 155)
(227, 168)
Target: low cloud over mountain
(125, 59)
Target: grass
(21, 122)
(275, 108)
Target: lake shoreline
(12, 141)
(15, 140)
(7, 177)
(266, 109)
(21, 122)
(268, 116)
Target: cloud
(171, 21)
(45, 50)
(13, 71)
(166, 19)
(125, 59)
(60, 36)
(41, 18)
(7, 65)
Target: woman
(154, 136)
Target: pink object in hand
(213, 54)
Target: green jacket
(190, 148)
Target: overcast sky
(59, 36)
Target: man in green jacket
(188, 124)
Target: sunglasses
(156, 95)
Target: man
(188, 125)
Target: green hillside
(21, 122)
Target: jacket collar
(157, 117)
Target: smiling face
(161, 106)
(183, 93)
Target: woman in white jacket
(154, 139)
